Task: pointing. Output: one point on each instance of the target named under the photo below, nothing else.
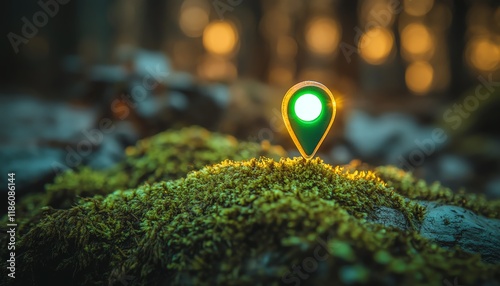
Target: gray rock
(389, 217)
(44, 138)
(386, 136)
(151, 64)
(450, 225)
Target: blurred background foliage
(399, 70)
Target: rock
(31, 166)
(389, 217)
(38, 133)
(451, 226)
(387, 136)
(151, 64)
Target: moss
(416, 189)
(246, 222)
(165, 156)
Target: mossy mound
(165, 156)
(245, 223)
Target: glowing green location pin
(308, 110)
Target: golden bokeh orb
(417, 41)
(418, 7)
(193, 19)
(376, 45)
(483, 54)
(220, 37)
(419, 77)
(322, 35)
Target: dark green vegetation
(234, 223)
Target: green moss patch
(245, 223)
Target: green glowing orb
(308, 107)
(308, 110)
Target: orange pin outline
(286, 119)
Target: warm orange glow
(483, 54)
(419, 76)
(376, 45)
(322, 35)
(418, 7)
(220, 38)
(417, 41)
(193, 18)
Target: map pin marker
(308, 110)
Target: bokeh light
(418, 7)
(417, 41)
(375, 45)
(322, 35)
(194, 17)
(419, 76)
(396, 67)
(483, 54)
(220, 38)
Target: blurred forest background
(416, 82)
